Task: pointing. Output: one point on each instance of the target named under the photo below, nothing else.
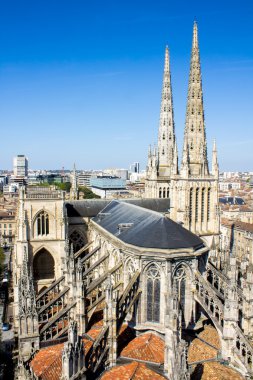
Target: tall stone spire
(195, 135)
(166, 137)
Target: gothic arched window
(77, 240)
(153, 294)
(164, 192)
(208, 203)
(190, 204)
(180, 285)
(42, 223)
(203, 205)
(43, 265)
(197, 205)
(160, 192)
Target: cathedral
(110, 289)
(192, 188)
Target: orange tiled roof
(132, 371)
(198, 350)
(147, 347)
(45, 358)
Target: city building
(20, 166)
(135, 167)
(110, 289)
(108, 186)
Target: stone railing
(243, 349)
(207, 297)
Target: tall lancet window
(180, 285)
(153, 294)
(208, 203)
(42, 223)
(190, 205)
(203, 205)
(197, 205)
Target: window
(197, 205)
(77, 240)
(190, 205)
(153, 294)
(202, 204)
(180, 285)
(5, 226)
(9, 225)
(160, 192)
(42, 223)
(208, 203)
(164, 192)
(43, 265)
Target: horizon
(86, 85)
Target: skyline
(63, 80)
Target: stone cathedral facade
(103, 288)
(192, 188)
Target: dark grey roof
(144, 228)
(91, 207)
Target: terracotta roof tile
(147, 347)
(198, 350)
(45, 358)
(132, 371)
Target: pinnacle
(195, 35)
(167, 60)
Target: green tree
(87, 193)
(65, 186)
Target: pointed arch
(43, 265)
(153, 293)
(41, 223)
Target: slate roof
(91, 207)
(144, 228)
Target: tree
(65, 186)
(87, 193)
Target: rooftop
(237, 224)
(132, 371)
(144, 228)
(146, 347)
(91, 207)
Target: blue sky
(80, 81)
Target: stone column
(230, 312)
(110, 320)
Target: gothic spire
(195, 135)
(166, 137)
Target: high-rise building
(135, 167)
(20, 166)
